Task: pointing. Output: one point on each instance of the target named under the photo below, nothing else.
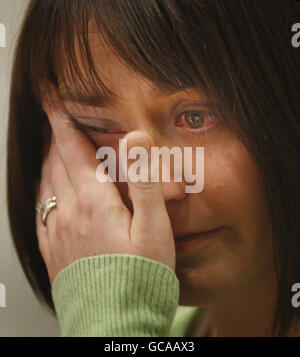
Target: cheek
(233, 185)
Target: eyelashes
(86, 128)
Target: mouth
(193, 235)
(190, 242)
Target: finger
(77, 151)
(44, 192)
(65, 193)
(150, 212)
(60, 179)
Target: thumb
(150, 223)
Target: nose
(171, 190)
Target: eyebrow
(100, 100)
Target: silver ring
(45, 207)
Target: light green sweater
(121, 295)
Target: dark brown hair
(237, 51)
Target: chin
(201, 297)
(200, 289)
(195, 299)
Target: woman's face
(237, 256)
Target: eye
(197, 119)
(88, 128)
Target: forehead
(117, 79)
(116, 75)
(123, 82)
(106, 63)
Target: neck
(249, 315)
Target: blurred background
(23, 315)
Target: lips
(191, 242)
(193, 235)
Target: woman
(221, 75)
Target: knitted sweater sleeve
(116, 295)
